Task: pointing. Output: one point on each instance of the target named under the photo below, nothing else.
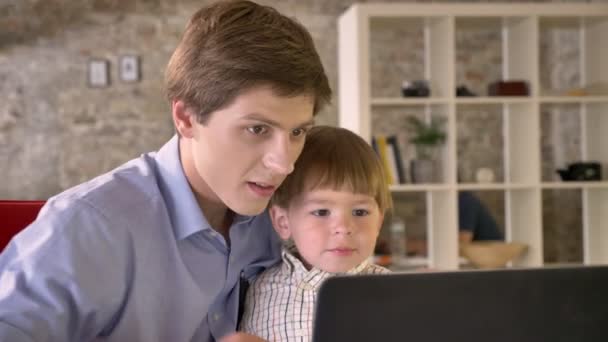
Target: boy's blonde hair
(335, 158)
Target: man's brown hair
(335, 158)
(231, 46)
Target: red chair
(14, 216)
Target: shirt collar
(184, 211)
(293, 268)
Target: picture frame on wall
(129, 68)
(98, 73)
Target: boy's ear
(182, 118)
(280, 221)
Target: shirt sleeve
(63, 278)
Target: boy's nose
(343, 225)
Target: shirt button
(216, 317)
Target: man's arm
(61, 279)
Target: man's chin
(249, 209)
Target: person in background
(329, 212)
(159, 248)
(475, 222)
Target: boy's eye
(258, 129)
(360, 212)
(320, 212)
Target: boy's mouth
(342, 251)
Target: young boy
(329, 211)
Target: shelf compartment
(594, 137)
(484, 213)
(595, 234)
(479, 63)
(392, 121)
(573, 51)
(523, 223)
(573, 133)
(483, 148)
(430, 219)
(521, 133)
(562, 226)
(423, 53)
(412, 208)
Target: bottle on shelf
(398, 241)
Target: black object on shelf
(418, 88)
(581, 171)
(463, 91)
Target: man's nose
(279, 157)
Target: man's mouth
(262, 189)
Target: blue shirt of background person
(475, 220)
(155, 250)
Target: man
(160, 248)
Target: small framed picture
(129, 69)
(99, 73)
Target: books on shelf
(388, 150)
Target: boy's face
(332, 230)
(244, 151)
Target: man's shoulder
(136, 174)
(129, 188)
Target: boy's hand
(241, 337)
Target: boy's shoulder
(375, 269)
(270, 278)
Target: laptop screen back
(512, 305)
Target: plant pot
(424, 151)
(423, 171)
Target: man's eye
(258, 130)
(298, 132)
(320, 212)
(360, 212)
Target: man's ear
(182, 118)
(280, 221)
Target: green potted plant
(426, 137)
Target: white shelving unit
(520, 26)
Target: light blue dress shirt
(129, 256)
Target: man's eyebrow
(261, 118)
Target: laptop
(568, 304)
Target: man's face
(245, 150)
(333, 230)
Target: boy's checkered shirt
(280, 302)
